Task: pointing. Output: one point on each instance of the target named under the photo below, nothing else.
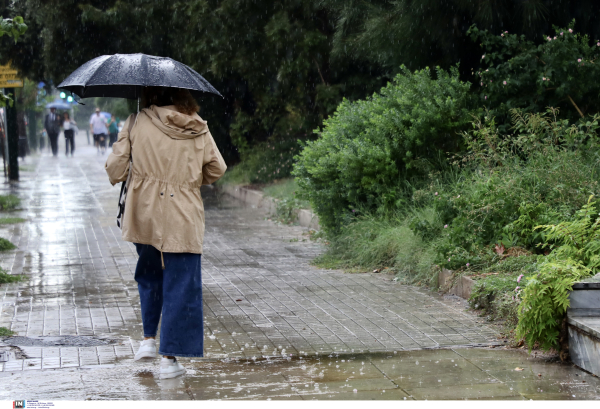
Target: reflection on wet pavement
(458, 373)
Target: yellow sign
(8, 77)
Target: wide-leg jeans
(176, 294)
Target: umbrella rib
(96, 72)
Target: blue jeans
(176, 292)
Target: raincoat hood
(175, 124)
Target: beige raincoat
(173, 155)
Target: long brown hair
(160, 96)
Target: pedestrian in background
(69, 130)
(172, 154)
(52, 125)
(99, 130)
(113, 130)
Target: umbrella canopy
(58, 104)
(124, 76)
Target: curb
(255, 198)
(463, 287)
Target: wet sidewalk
(78, 310)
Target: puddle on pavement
(475, 373)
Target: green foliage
(368, 148)
(432, 32)
(11, 220)
(264, 163)
(545, 301)
(282, 189)
(13, 27)
(495, 293)
(523, 232)
(286, 210)
(5, 332)
(6, 245)
(544, 172)
(9, 202)
(521, 74)
(8, 278)
(575, 255)
(371, 243)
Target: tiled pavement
(261, 296)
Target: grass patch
(9, 202)
(6, 245)
(235, 175)
(11, 220)
(372, 243)
(5, 332)
(26, 168)
(285, 189)
(494, 293)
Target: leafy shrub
(523, 231)
(575, 255)
(9, 202)
(521, 74)
(542, 173)
(264, 163)
(5, 332)
(368, 148)
(285, 210)
(494, 293)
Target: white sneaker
(170, 368)
(147, 350)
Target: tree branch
(319, 69)
(575, 105)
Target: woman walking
(69, 131)
(172, 154)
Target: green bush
(263, 163)
(5, 332)
(575, 255)
(368, 149)
(542, 173)
(9, 202)
(521, 74)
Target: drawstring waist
(162, 260)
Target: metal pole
(3, 141)
(12, 137)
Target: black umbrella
(124, 76)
